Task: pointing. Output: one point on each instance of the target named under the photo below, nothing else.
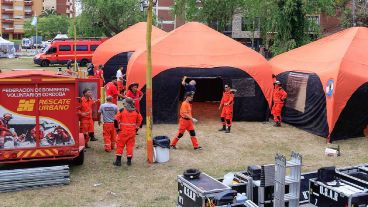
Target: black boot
(278, 123)
(92, 137)
(223, 128)
(136, 132)
(228, 129)
(129, 161)
(117, 161)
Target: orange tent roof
(195, 45)
(126, 41)
(341, 57)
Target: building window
(314, 23)
(82, 48)
(65, 48)
(18, 8)
(18, 26)
(93, 47)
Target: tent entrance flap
(296, 87)
(305, 106)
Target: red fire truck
(60, 51)
(38, 116)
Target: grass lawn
(143, 184)
(22, 63)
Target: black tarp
(113, 64)
(311, 115)
(354, 117)
(250, 106)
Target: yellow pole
(75, 39)
(149, 118)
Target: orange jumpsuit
(128, 122)
(135, 96)
(227, 104)
(186, 124)
(99, 75)
(86, 122)
(112, 90)
(109, 135)
(279, 96)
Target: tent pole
(149, 118)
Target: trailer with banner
(38, 116)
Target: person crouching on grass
(186, 122)
(129, 120)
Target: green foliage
(48, 26)
(284, 23)
(361, 15)
(290, 28)
(215, 13)
(107, 17)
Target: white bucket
(160, 154)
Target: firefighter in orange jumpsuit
(135, 94)
(186, 122)
(129, 120)
(112, 90)
(99, 74)
(108, 111)
(85, 114)
(4, 128)
(226, 108)
(279, 96)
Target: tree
(48, 27)
(216, 13)
(284, 24)
(361, 15)
(290, 27)
(108, 17)
(86, 27)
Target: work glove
(194, 120)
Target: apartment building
(14, 12)
(60, 6)
(12, 16)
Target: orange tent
(340, 61)
(114, 52)
(211, 58)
